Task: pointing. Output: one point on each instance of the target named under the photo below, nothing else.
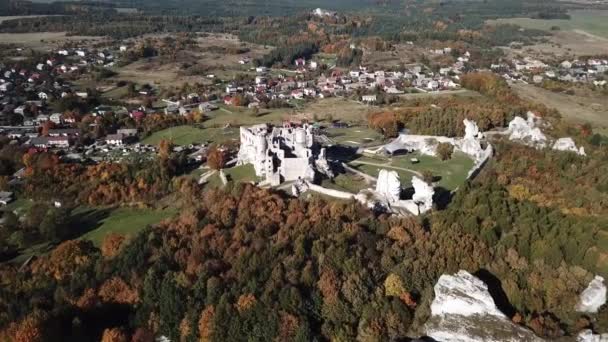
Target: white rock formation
(388, 185)
(567, 144)
(589, 336)
(423, 194)
(471, 130)
(526, 130)
(464, 311)
(593, 297)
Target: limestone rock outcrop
(526, 131)
(423, 194)
(593, 297)
(589, 336)
(388, 185)
(464, 311)
(567, 144)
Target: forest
(294, 269)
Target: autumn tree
(111, 244)
(216, 158)
(114, 335)
(445, 150)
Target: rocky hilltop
(464, 311)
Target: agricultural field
(594, 22)
(42, 41)
(337, 108)
(591, 109)
(186, 135)
(586, 33)
(213, 54)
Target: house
(123, 48)
(314, 65)
(260, 79)
(116, 139)
(43, 96)
(19, 110)
(227, 100)
(432, 85)
(127, 132)
(207, 107)
(138, 115)
(300, 62)
(6, 198)
(63, 52)
(82, 94)
(261, 70)
(59, 141)
(56, 118)
(537, 79)
(42, 118)
(6, 86)
(566, 64)
(297, 94)
(40, 66)
(64, 132)
(369, 98)
(46, 142)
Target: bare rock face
(423, 194)
(567, 144)
(593, 297)
(526, 131)
(589, 336)
(389, 185)
(464, 311)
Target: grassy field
(126, 221)
(347, 182)
(573, 108)
(353, 136)
(451, 173)
(237, 116)
(338, 108)
(237, 174)
(185, 135)
(591, 21)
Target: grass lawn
(116, 93)
(346, 182)
(185, 135)
(452, 172)
(237, 174)
(353, 136)
(338, 108)
(126, 221)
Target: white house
(43, 96)
(369, 98)
(115, 139)
(56, 118)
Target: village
(46, 108)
